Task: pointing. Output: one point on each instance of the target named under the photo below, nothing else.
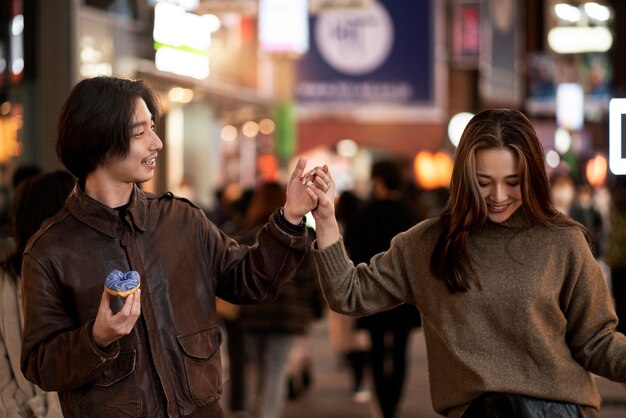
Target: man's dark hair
(95, 122)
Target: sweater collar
(105, 219)
(518, 220)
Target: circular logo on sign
(355, 42)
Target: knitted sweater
(540, 320)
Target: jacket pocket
(201, 357)
(115, 393)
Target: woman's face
(499, 178)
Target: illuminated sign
(570, 106)
(182, 40)
(617, 136)
(284, 26)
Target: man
(156, 353)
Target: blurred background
(248, 85)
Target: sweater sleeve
(366, 288)
(591, 318)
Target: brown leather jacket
(170, 363)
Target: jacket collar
(105, 219)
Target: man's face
(138, 166)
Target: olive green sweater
(540, 322)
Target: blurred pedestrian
(516, 313)
(21, 173)
(615, 256)
(385, 214)
(562, 192)
(352, 344)
(584, 211)
(271, 329)
(36, 199)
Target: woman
(36, 199)
(515, 311)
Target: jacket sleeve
(251, 274)
(57, 354)
(591, 317)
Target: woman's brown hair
(466, 209)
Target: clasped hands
(312, 191)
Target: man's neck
(107, 191)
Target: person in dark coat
(385, 215)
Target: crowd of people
(504, 275)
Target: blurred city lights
(570, 106)
(17, 45)
(228, 133)
(597, 11)
(182, 40)
(567, 12)
(457, 125)
(576, 40)
(595, 171)
(553, 159)
(347, 148)
(432, 170)
(17, 25)
(5, 108)
(250, 129)
(180, 95)
(562, 140)
(284, 26)
(582, 28)
(266, 126)
(617, 110)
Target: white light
(617, 110)
(175, 27)
(89, 54)
(347, 148)
(457, 125)
(92, 70)
(182, 62)
(284, 26)
(562, 140)
(17, 25)
(17, 66)
(597, 11)
(197, 31)
(553, 158)
(180, 95)
(213, 22)
(266, 126)
(570, 106)
(567, 12)
(575, 39)
(168, 21)
(250, 129)
(228, 133)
